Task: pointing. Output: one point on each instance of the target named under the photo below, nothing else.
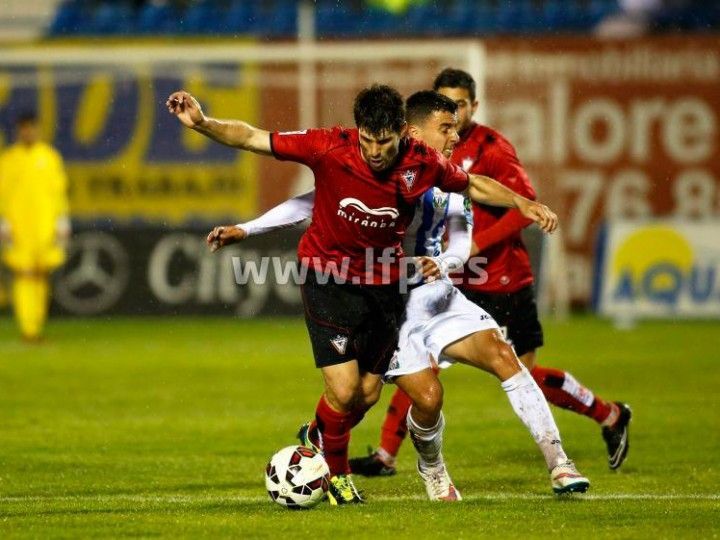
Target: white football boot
(438, 483)
(565, 478)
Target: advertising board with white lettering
(159, 271)
(611, 130)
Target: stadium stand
(277, 18)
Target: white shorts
(437, 314)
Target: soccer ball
(297, 477)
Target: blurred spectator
(34, 223)
(640, 17)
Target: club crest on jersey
(467, 163)
(340, 343)
(409, 178)
(440, 198)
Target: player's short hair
(422, 104)
(26, 117)
(455, 78)
(379, 109)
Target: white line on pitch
(183, 498)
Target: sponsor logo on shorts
(340, 343)
(395, 362)
(504, 333)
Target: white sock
(386, 457)
(427, 441)
(530, 405)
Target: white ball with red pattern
(297, 477)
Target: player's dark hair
(379, 109)
(422, 104)
(26, 117)
(455, 78)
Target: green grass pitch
(162, 427)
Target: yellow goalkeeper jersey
(33, 197)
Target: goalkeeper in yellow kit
(34, 223)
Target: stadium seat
(508, 17)
(555, 15)
(278, 18)
(155, 18)
(111, 19)
(601, 9)
(334, 21)
(203, 17)
(459, 15)
(71, 18)
(483, 19)
(426, 19)
(240, 18)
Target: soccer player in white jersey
(440, 322)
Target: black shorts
(347, 322)
(516, 314)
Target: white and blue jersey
(424, 235)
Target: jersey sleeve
(451, 177)
(287, 214)
(460, 205)
(502, 164)
(304, 146)
(459, 224)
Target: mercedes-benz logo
(95, 275)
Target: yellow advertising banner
(126, 157)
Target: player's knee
(528, 360)
(346, 397)
(430, 399)
(504, 363)
(371, 396)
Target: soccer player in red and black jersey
(508, 293)
(367, 182)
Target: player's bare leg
(342, 406)
(371, 387)
(380, 461)
(563, 390)
(426, 424)
(488, 351)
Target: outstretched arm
(485, 190)
(458, 224)
(510, 223)
(233, 133)
(287, 214)
(459, 235)
(291, 212)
